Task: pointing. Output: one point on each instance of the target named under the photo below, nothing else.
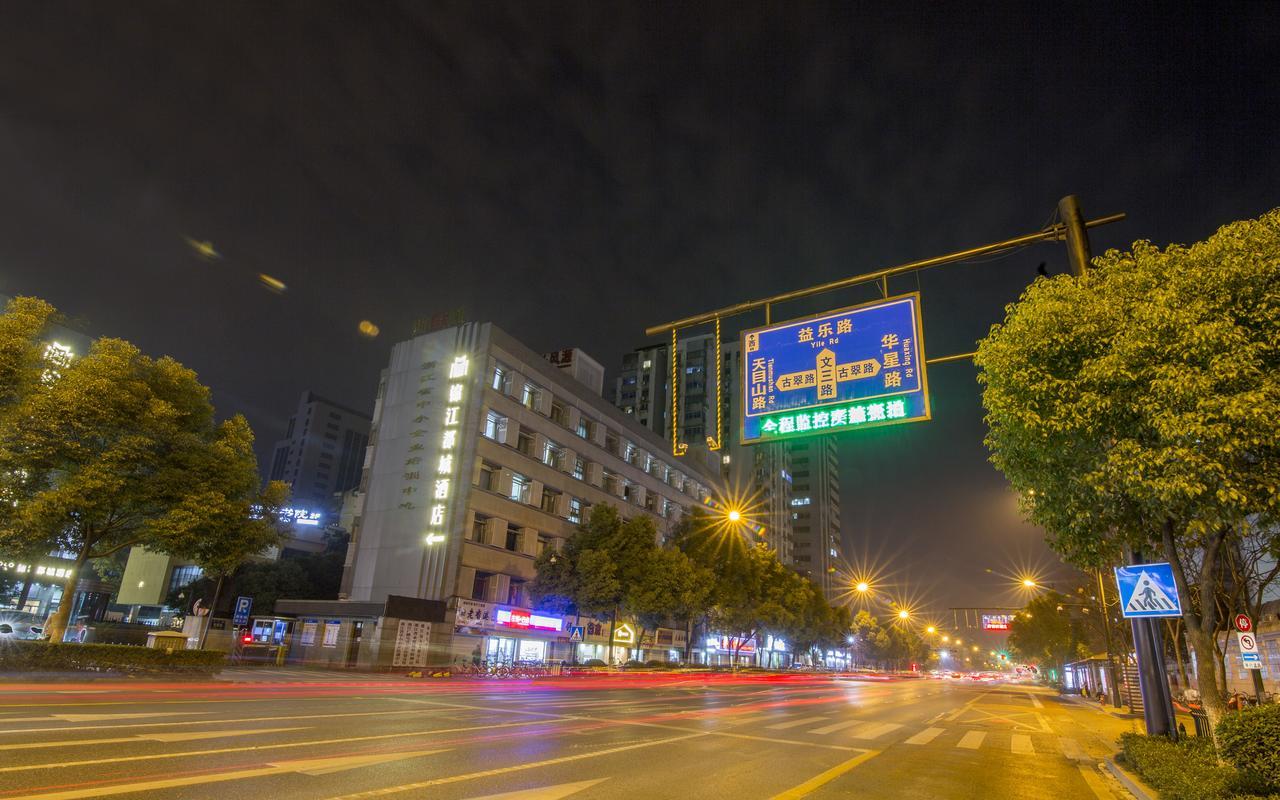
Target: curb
(1131, 782)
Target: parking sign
(243, 606)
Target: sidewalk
(1118, 713)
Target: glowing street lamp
(904, 614)
(931, 629)
(862, 587)
(734, 515)
(1029, 583)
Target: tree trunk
(688, 639)
(55, 627)
(1201, 627)
(613, 625)
(1175, 634)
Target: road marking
(1095, 783)
(308, 766)
(103, 717)
(1021, 744)
(972, 740)
(822, 779)
(409, 787)
(795, 723)
(1035, 701)
(1044, 723)
(277, 746)
(839, 726)
(153, 737)
(874, 730)
(1071, 749)
(925, 736)
(201, 721)
(544, 792)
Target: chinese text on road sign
(860, 367)
(1148, 590)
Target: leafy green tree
(1047, 634)
(1137, 408)
(672, 588)
(119, 450)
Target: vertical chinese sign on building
(858, 367)
(446, 466)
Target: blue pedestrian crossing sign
(243, 606)
(575, 633)
(1148, 590)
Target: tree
(117, 450)
(672, 588)
(1046, 633)
(1137, 408)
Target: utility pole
(1077, 235)
(1106, 632)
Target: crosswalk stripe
(925, 736)
(795, 723)
(873, 731)
(1071, 749)
(839, 726)
(1021, 744)
(972, 740)
(749, 718)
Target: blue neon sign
(858, 367)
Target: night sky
(575, 173)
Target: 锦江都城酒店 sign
(859, 367)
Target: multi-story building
(483, 455)
(757, 475)
(815, 512)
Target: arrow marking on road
(307, 766)
(543, 793)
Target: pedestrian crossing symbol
(575, 633)
(1148, 590)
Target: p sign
(243, 606)
(1148, 590)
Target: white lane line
(210, 721)
(260, 747)
(748, 718)
(1021, 744)
(874, 731)
(925, 736)
(972, 740)
(557, 792)
(795, 723)
(1035, 701)
(173, 736)
(839, 726)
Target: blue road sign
(1148, 590)
(243, 606)
(859, 367)
(575, 633)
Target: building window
(544, 543)
(549, 501)
(480, 587)
(628, 452)
(579, 468)
(584, 428)
(558, 415)
(519, 488)
(513, 538)
(529, 396)
(478, 523)
(524, 443)
(575, 510)
(495, 426)
(552, 455)
(501, 379)
(182, 576)
(611, 442)
(515, 593)
(486, 480)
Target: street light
(931, 629)
(734, 515)
(904, 614)
(1029, 583)
(863, 587)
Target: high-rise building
(322, 452)
(485, 454)
(815, 512)
(758, 474)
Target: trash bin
(1202, 722)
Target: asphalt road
(289, 735)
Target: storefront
(501, 634)
(34, 587)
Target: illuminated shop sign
(731, 643)
(39, 570)
(524, 619)
(446, 469)
(293, 516)
(859, 367)
(996, 622)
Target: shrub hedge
(121, 659)
(1187, 770)
(1250, 741)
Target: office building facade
(815, 513)
(483, 455)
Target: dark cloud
(577, 172)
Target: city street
(287, 733)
